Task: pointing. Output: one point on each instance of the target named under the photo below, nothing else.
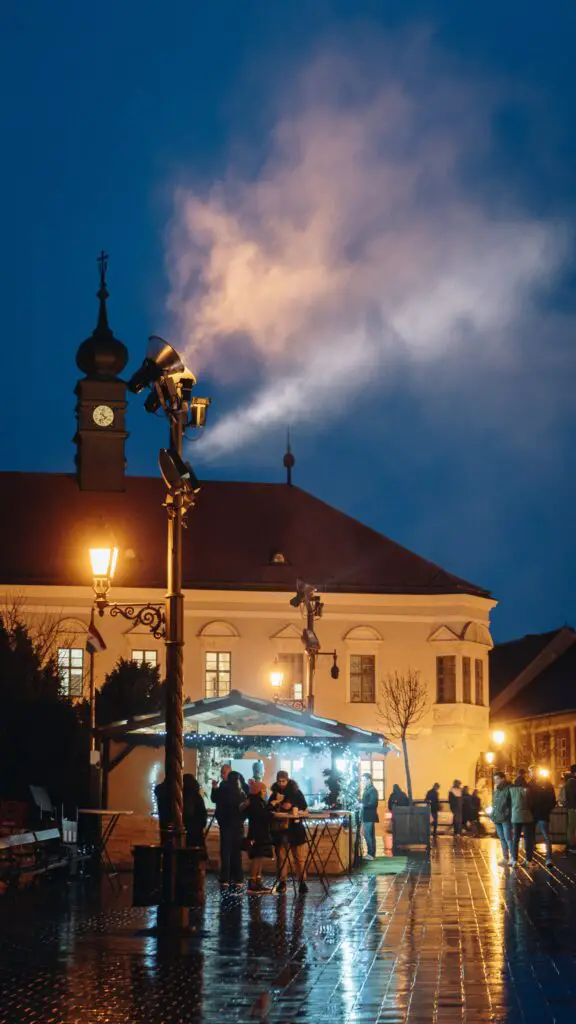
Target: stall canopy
(217, 719)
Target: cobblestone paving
(456, 938)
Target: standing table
(108, 820)
(318, 824)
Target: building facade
(386, 609)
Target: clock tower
(101, 407)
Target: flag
(94, 641)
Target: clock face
(103, 416)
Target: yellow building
(386, 609)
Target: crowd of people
(273, 826)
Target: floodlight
(198, 411)
(161, 360)
(177, 474)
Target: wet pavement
(454, 938)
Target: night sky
(354, 216)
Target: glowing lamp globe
(104, 561)
(498, 736)
(489, 756)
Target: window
(479, 679)
(543, 747)
(71, 670)
(146, 658)
(362, 678)
(292, 666)
(217, 673)
(446, 679)
(562, 748)
(466, 681)
(376, 770)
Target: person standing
(570, 805)
(288, 836)
(502, 816)
(466, 807)
(370, 814)
(229, 813)
(543, 800)
(456, 799)
(397, 798)
(259, 818)
(195, 814)
(522, 818)
(432, 797)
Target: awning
(214, 718)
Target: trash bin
(189, 888)
(147, 885)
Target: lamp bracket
(150, 615)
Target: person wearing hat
(259, 817)
(289, 837)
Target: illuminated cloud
(361, 244)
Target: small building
(533, 700)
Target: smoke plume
(364, 242)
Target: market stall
(257, 737)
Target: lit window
(292, 667)
(479, 679)
(145, 658)
(562, 746)
(375, 768)
(71, 670)
(217, 673)
(362, 678)
(466, 681)
(446, 679)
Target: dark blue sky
(467, 460)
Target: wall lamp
(104, 561)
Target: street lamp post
(170, 384)
(306, 595)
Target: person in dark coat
(455, 799)
(288, 836)
(466, 807)
(260, 848)
(543, 802)
(229, 813)
(370, 814)
(432, 797)
(397, 798)
(195, 814)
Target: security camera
(310, 641)
(177, 474)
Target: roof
(508, 660)
(234, 531)
(550, 686)
(241, 714)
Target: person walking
(397, 798)
(288, 836)
(259, 837)
(370, 814)
(522, 818)
(432, 797)
(502, 816)
(475, 808)
(543, 801)
(570, 805)
(229, 813)
(455, 799)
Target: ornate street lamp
(306, 596)
(104, 561)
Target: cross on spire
(103, 264)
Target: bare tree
(403, 703)
(48, 630)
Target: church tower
(101, 407)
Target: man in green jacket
(501, 815)
(522, 818)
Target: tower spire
(102, 294)
(288, 460)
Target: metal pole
(92, 703)
(311, 657)
(174, 749)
